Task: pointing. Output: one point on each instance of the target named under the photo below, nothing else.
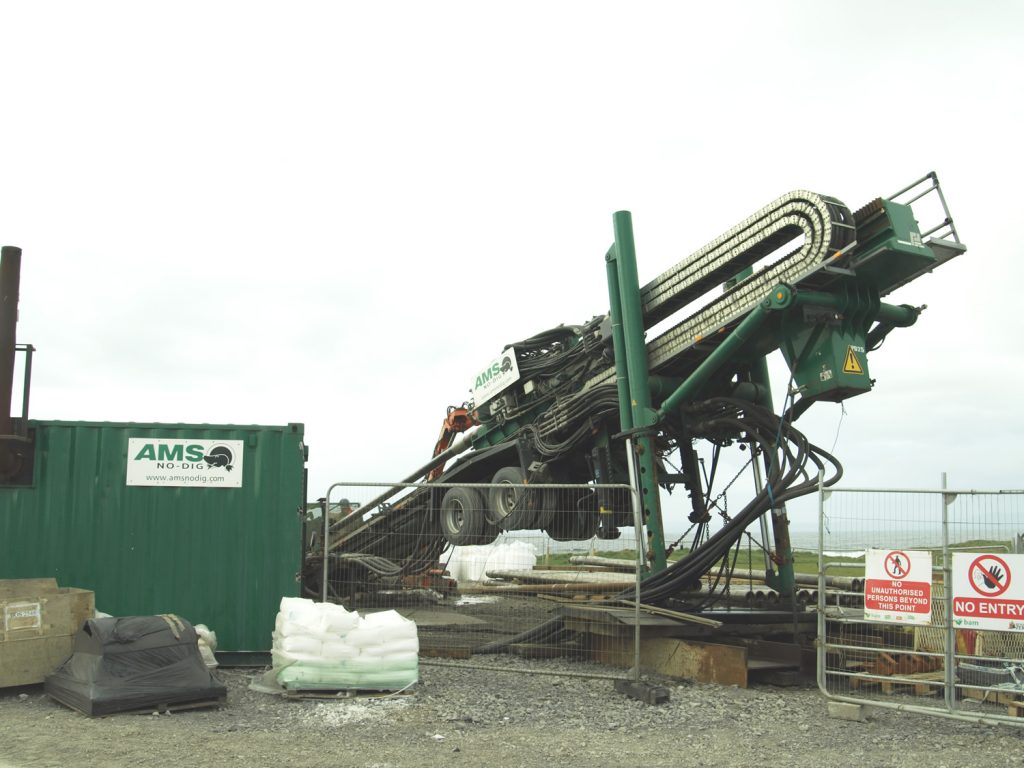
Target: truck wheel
(513, 506)
(462, 516)
(576, 520)
(550, 503)
(490, 532)
(573, 525)
(554, 501)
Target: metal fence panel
(944, 667)
(534, 579)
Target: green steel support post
(639, 387)
(618, 342)
(782, 579)
(781, 298)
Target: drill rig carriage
(554, 408)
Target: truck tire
(462, 516)
(550, 502)
(490, 532)
(577, 520)
(512, 506)
(573, 526)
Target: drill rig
(557, 407)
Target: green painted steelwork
(743, 333)
(890, 248)
(223, 557)
(780, 575)
(779, 572)
(635, 349)
(827, 351)
(618, 341)
(488, 436)
(898, 315)
(820, 304)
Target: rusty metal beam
(10, 281)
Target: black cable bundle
(787, 478)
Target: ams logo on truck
(502, 372)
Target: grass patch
(803, 561)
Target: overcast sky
(334, 213)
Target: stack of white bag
(472, 563)
(321, 645)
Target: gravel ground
(460, 716)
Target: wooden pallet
(445, 651)
(184, 706)
(919, 684)
(992, 696)
(904, 664)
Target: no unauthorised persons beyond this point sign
(897, 565)
(889, 594)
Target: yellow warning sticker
(852, 364)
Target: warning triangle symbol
(852, 364)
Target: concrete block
(844, 710)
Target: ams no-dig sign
(988, 591)
(898, 586)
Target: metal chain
(723, 512)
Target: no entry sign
(988, 592)
(898, 586)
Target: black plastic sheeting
(128, 663)
(991, 675)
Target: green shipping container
(197, 520)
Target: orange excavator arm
(459, 419)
